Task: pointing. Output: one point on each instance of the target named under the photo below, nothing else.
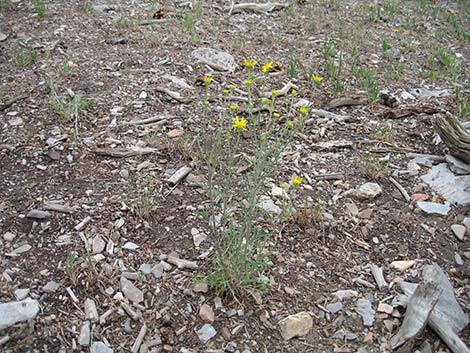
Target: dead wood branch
(454, 135)
(254, 7)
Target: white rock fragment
(84, 336)
(269, 206)
(402, 265)
(91, 313)
(131, 291)
(51, 287)
(21, 294)
(181, 263)
(206, 332)
(434, 208)
(364, 308)
(9, 237)
(367, 191)
(296, 325)
(130, 246)
(100, 347)
(218, 60)
(98, 245)
(13, 312)
(459, 231)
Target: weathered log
(454, 135)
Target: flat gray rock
(434, 208)
(459, 231)
(454, 188)
(13, 312)
(51, 287)
(218, 60)
(334, 307)
(269, 206)
(364, 308)
(206, 332)
(3, 37)
(130, 291)
(38, 214)
(367, 191)
(98, 245)
(84, 336)
(91, 313)
(21, 294)
(100, 347)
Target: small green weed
(144, 205)
(368, 81)
(372, 167)
(383, 132)
(71, 268)
(40, 8)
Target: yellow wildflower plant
(275, 92)
(233, 107)
(232, 88)
(249, 82)
(283, 185)
(293, 92)
(303, 110)
(207, 80)
(267, 67)
(276, 115)
(249, 63)
(397, 30)
(297, 181)
(290, 124)
(239, 124)
(317, 79)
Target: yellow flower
(275, 92)
(232, 87)
(276, 115)
(249, 82)
(317, 79)
(207, 80)
(239, 124)
(303, 110)
(397, 30)
(267, 67)
(233, 107)
(296, 180)
(265, 101)
(290, 124)
(283, 185)
(225, 92)
(249, 63)
(294, 92)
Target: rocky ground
(102, 251)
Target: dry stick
(401, 189)
(12, 101)
(143, 121)
(377, 272)
(175, 95)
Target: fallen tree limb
(175, 95)
(125, 152)
(454, 135)
(254, 7)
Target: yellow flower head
(317, 79)
(225, 92)
(276, 115)
(249, 82)
(249, 63)
(267, 67)
(303, 110)
(283, 185)
(233, 107)
(232, 87)
(290, 124)
(239, 124)
(297, 180)
(275, 92)
(293, 92)
(265, 101)
(207, 80)
(397, 30)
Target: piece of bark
(179, 175)
(404, 112)
(454, 135)
(377, 272)
(419, 308)
(144, 121)
(346, 102)
(329, 115)
(125, 152)
(57, 207)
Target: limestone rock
(206, 332)
(218, 60)
(367, 191)
(295, 325)
(459, 231)
(13, 312)
(131, 291)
